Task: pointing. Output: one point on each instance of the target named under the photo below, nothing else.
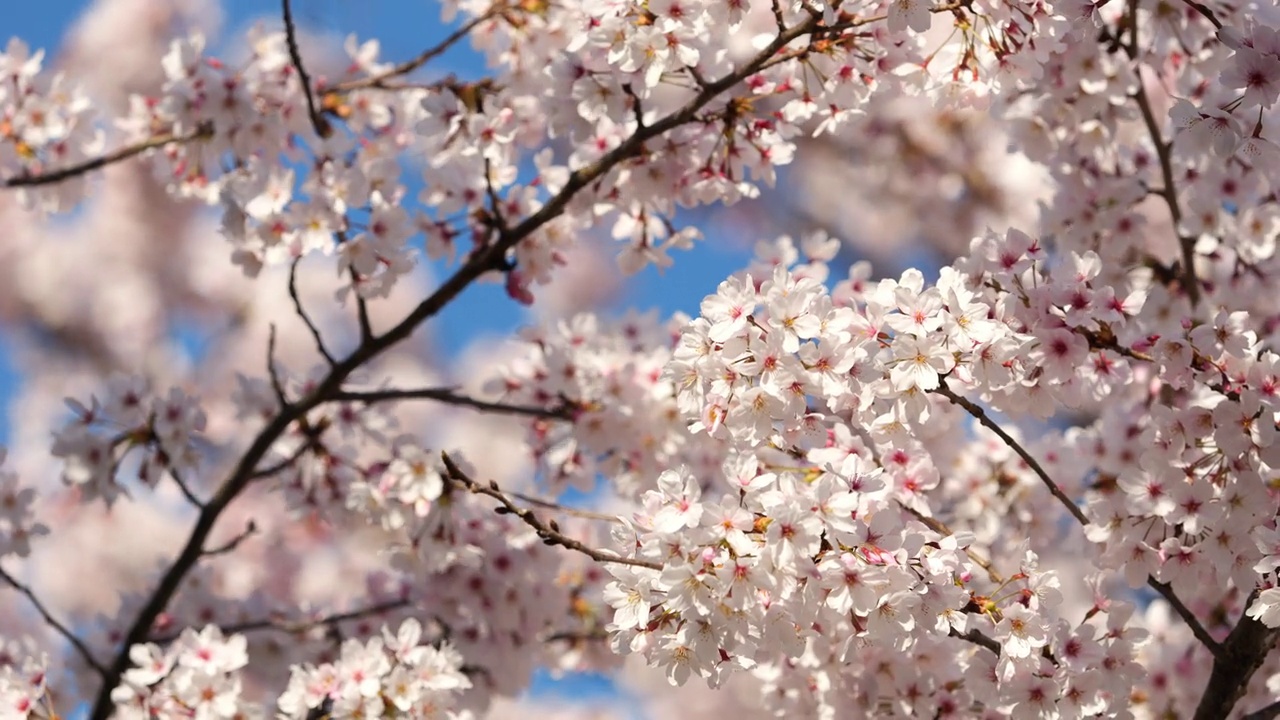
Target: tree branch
(184, 487)
(1270, 712)
(111, 158)
(426, 56)
(1243, 652)
(451, 397)
(981, 416)
(576, 636)
(302, 313)
(1205, 11)
(318, 121)
(941, 528)
(362, 308)
(53, 622)
(977, 638)
(576, 512)
(1197, 629)
(230, 546)
(1191, 285)
(549, 532)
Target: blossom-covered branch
(549, 531)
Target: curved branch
(549, 532)
(426, 56)
(53, 622)
(1205, 11)
(322, 127)
(302, 313)
(56, 176)
(1164, 153)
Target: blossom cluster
(198, 675)
(164, 429)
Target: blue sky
(404, 28)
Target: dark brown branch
(283, 463)
(318, 121)
(576, 636)
(276, 385)
(451, 397)
(1165, 591)
(362, 308)
(1270, 712)
(184, 488)
(1164, 152)
(230, 546)
(1205, 11)
(549, 532)
(977, 638)
(53, 622)
(426, 56)
(245, 470)
(1243, 652)
(981, 416)
(1188, 617)
(56, 176)
(302, 313)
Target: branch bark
(548, 531)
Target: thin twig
(576, 512)
(1164, 152)
(1184, 612)
(981, 416)
(111, 158)
(53, 622)
(636, 108)
(276, 385)
(362, 308)
(426, 56)
(1205, 11)
(250, 528)
(941, 528)
(283, 463)
(1197, 629)
(549, 532)
(497, 220)
(186, 489)
(302, 313)
(318, 121)
(300, 626)
(452, 397)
